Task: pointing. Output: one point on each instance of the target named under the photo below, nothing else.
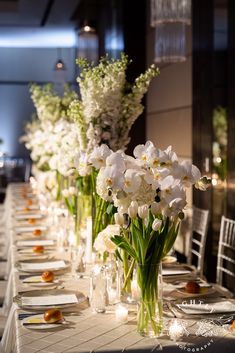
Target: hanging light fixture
(170, 18)
(59, 65)
(170, 11)
(88, 43)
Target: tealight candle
(175, 330)
(121, 313)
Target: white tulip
(133, 209)
(143, 211)
(65, 193)
(156, 224)
(72, 191)
(119, 219)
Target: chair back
(226, 254)
(200, 223)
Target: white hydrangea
(103, 241)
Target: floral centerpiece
(108, 107)
(46, 134)
(52, 138)
(149, 192)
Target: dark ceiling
(38, 13)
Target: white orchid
(98, 156)
(155, 175)
(188, 173)
(110, 178)
(132, 181)
(82, 164)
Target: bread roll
(233, 325)
(192, 287)
(48, 276)
(53, 315)
(29, 202)
(37, 232)
(31, 221)
(38, 249)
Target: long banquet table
(87, 331)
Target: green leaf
(137, 239)
(123, 243)
(171, 237)
(111, 209)
(118, 255)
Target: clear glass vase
(125, 276)
(98, 289)
(150, 306)
(82, 219)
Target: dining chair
(225, 275)
(196, 254)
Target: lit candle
(175, 330)
(121, 313)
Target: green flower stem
(77, 229)
(149, 318)
(127, 282)
(58, 179)
(100, 217)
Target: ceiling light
(59, 65)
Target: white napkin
(29, 228)
(35, 242)
(50, 300)
(28, 215)
(207, 308)
(174, 271)
(31, 207)
(42, 265)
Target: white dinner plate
(81, 299)
(30, 252)
(33, 207)
(36, 281)
(25, 215)
(29, 228)
(201, 308)
(37, 265)
(35, 242)
(204, 290)
(33, 323)
(30, 236)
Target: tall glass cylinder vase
(82, 220)
(126, 267)
(150, 307)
